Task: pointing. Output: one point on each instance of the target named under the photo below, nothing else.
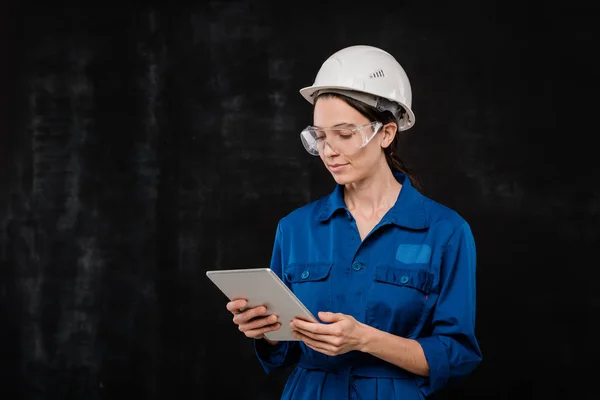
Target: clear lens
(344, 140)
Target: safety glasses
(344, 139)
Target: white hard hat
(367, 74)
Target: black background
(143, 144)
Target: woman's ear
(388, 133)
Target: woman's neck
(374, 195)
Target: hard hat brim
(309, 91)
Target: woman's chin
(341, 178)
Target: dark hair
(373, 114)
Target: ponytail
(396, 164)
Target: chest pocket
(311, 284)
(397, 299)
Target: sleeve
(452, 350)
(272, 357)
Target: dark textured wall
(143, 145)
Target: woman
(389, 272)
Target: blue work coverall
(412, 276)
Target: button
(357, 266)
(404, 279)
(305, 275)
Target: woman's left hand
(340, 334)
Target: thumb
(329, 316)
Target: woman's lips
(336, 167)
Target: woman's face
(332, 111)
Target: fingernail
(273, 318)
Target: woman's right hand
(252, 321)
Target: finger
(317, 337)
(326, 352)
(255, 333)
(316, 345)
(258, 323)
(248, 315)
(330, 317)
(312, 337)
(234, 305)
(314, 327)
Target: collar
(407, 212)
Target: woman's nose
(328, 150)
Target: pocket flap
(307, 272)
(417, 279)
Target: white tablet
(261, 286)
